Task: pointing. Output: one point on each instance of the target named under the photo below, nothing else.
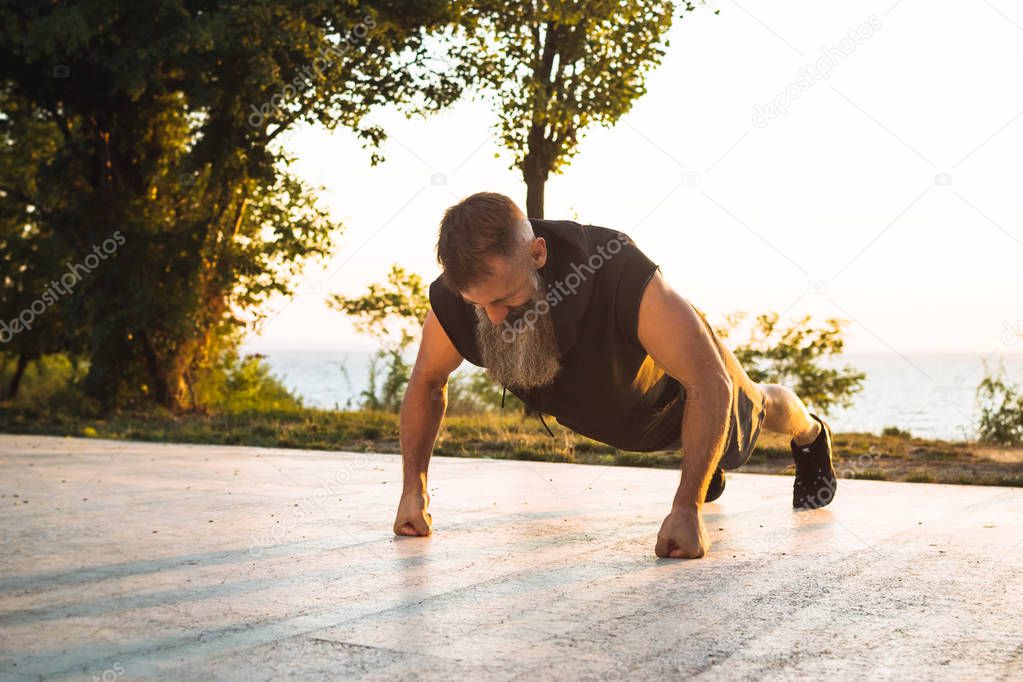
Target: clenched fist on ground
(413, 518)
(682, 535)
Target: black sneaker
(717, 486)
(816, 482)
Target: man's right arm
(421, 414)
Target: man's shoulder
(438, 287)
(584, 236)
(449, 306)
(456, 319)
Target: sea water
(929, 395)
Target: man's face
(516, 354)
(511, 288)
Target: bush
(239, 384)
(474, 392)
(44, 377)
(1001, 409)
(53, 383)
(795, 356)
(388, 396)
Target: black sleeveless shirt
(608, 388)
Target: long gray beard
(521, 355)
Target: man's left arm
(674, 335)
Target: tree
(31, 323)
(392, 313)
(555, 67)
(163, 122)
(792, 356)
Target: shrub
(1001, 409)
(794, 356)
(237, 384)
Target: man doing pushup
(579, 324)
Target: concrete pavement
(125, 560)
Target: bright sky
(887, 194)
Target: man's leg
(787, 414)
(781, 411)
(757, 406)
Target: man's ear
(538, 252)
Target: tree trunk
(535, 169)
(109, 358)
(160, 392)
(3, 370)
(174, 379)
(19, 372)
(534, 195)
(167, 374)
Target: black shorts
(744, 424)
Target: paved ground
(131, 560)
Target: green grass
(506, 435)
(871, 475)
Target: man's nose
(497, 313)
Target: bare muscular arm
(676, 338)
(421, 414)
